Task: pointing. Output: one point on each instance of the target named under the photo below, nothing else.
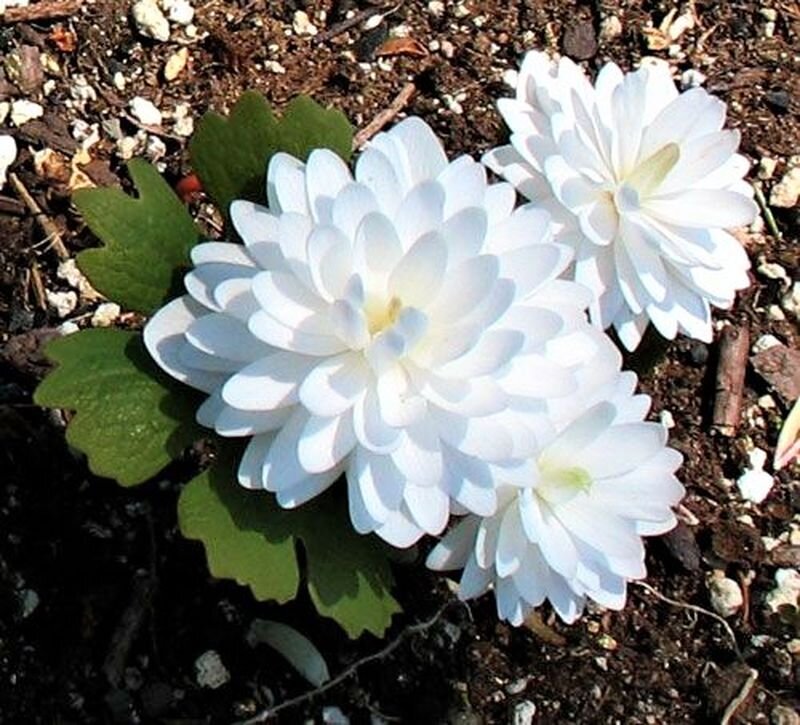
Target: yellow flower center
(646, 178)
(381, 315)
(559, 484)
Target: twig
(734, 347)
(386, 116)
(37, 286)
(47, 225)
(734, 705)
(144, 588)
(409, 631)
(44, 10)
(693, 608)
(769, 218)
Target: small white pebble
(436, 8)
(145, 111)
(150, 21)
(765, 342)
(119, 81)
(692, 78)
(786, 193)
(81, 90)
(786, 591)
(62, 303)
(332, 715)
(69, 272)
(274, 67)
(179, 12)
(755, 483)
(461, 11)
(725, 594)
(184, 126)
(775, 313)
(155, 148)
(773, 270)
(127, 146)
(766, 168)
(175, 64)
(30, 600)
(105, 315)
(667, 420)
(524, 712)
(23, 111)
(448, 49)
(766, 402)
(8, 155)
(511, 77)
(791, 300)
(210, 671)
(302, 25)
(610, 28)
(68, 328)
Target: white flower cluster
(409, 326)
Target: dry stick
(386, 116)
(45, 10)
(693, 608)
(264, 715)
(47, 225)
(769, 219)
(144, 589)
(734, 348)
(734, 705)
(38, 286)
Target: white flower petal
(164, 339)
(268, 383)
(324, 442)
(454, 549)
(326, 176)
(286, 185)
(252, 464)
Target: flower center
(381, 315)
(646, 177)
(559, 485)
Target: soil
(84, 562)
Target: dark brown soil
(78, 555)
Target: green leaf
(249, 538)
(146, 240)
(230, 155)
(130, 419)
(239, 534)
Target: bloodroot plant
(382, 347)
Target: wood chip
(44, 10)
(734, 347)
(780, 367)
(410, 47)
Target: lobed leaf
(146, 240)
(130, 419)
(230, 155)
(249, 538)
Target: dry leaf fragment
(669, 30)
(402, 46)
(63, 39)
